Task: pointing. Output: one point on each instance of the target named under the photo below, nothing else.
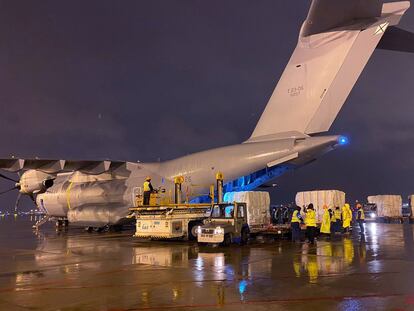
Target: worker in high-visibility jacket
(148, 189)
(346, 217)
(360, 218)
(295, 224)
(326, 221)
(336, 221)
(310, 222)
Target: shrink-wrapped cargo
(258, 206)
(411, 198)
(319, 198)
(387, 205)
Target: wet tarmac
(76, 270)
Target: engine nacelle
(33, 182)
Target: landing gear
(41, 222)
(107, 228)
(62, 223)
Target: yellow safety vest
(310, 220)
(295, 217)
(362, 214)
(337, 215)
(146, 186)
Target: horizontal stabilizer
(325, 15)
(397, 39)
(57, 166)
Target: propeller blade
(8, 178)
(11, 189)
(17, 201)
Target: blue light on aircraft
(343, 140)
(242, 286)
(248, 183)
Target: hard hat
(148, 178)
(325, 206)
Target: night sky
(151, 80)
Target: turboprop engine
(34, 182)
(30, 183)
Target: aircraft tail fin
(335, 43)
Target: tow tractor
(227, 224)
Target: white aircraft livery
(335, 43)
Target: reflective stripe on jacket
(295, 217)
(362, 215)
(147, 186)
(337, 215)
(310, 220)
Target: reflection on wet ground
(75, 270)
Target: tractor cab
(226, 224)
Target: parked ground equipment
(227, 224)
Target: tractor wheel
(244, 236)
(192, 230)
(227, 239)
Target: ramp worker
(360, 219)
(346, 217)
(310, 222)
(326, 221)
(295, 224)
(148, 189)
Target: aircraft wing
(56, 166)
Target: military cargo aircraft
(334, 45)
